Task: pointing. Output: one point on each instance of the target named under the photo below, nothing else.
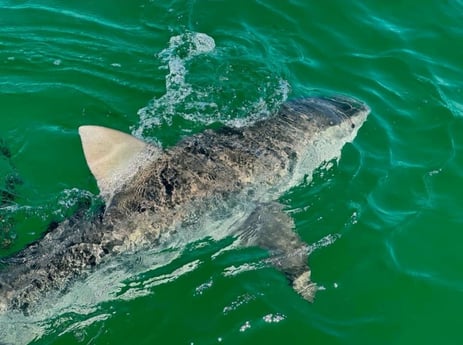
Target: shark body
(153, 196)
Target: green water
(163, 70)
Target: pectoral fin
(269, 227)
(113, 156)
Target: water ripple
(36, 10)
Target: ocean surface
(391, 271)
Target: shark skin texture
(154, 196)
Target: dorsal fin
(113, 156)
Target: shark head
(315, 129)
(338, 115)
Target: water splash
(213, 92)
(237, 303)
(325, 241)
(182, 48)
(273, 318)
(203, 287)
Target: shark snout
(329, 111)
(345, 106)
(339, 109)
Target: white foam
(182, 48)
(273, 318)
(240, 301)
(70, 199)
(206, 104)
(203, 287)
(245, 326)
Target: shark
(153, 197)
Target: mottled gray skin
(201, 177)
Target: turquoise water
(163, 71)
